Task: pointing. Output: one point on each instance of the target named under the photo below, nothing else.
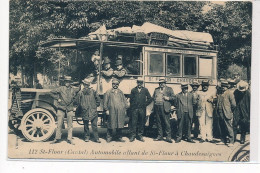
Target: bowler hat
(162, 80)
(184, 85)
(205, 83)
(118, 62)
(195, 83)
(87, 81)
(224, 84)
(140, 79)
(242, 86)
(106, 60)
(115, 81)
(232, 81)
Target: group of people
(229, 106)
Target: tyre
(38, 125)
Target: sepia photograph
(130, 80)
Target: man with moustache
(139, 99)
(163, 97)
(184, 103)
(115, 105)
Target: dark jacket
(87, 101)
(140, 99)
(179, 102)
(228, 105)
(167, 92)
(67, 97)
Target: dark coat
(242, 110)
(179, 102)
(167, 92)
(116, 103)
(87, 101)
(228, 105)
(140, 99)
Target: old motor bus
(149, 51)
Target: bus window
(156, 64)
(190, 65)
(173, 65)
(205, 64)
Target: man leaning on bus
(163, 96)
(65, 95)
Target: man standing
(225, 106)
(242, 110)
(184, 104)
(65, 95)
(88, 100)
(115, 105)
(205, 112)
(195, 85)
(163, 96)
(139, 99)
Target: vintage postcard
(130, 80)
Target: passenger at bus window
(132, 66)
(108, 71)
(163, 97)
(205, 112)
(120, 71)
(195, 85)
(184, 103)
(96, 58)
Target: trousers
(226, 128)
(60, 120)
(206, 125)
(137, 122)
(93, 126)
(119, 133)
(184, 125)
(163, 120)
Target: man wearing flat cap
(88, 101)
(115, 105)
(107, 72)
(120, 71)
(242, 110)
(205, 112)
(163, 97)
(65, 96)
(195, 85)
(184, 104)
(225, 106)
(139, 99)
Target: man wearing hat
(163, 97)
(195, 85)
(225, 107)
(108, 71)
(242, 110)
(65, 96)
(139, 99)
(88, 101)
(120, 71)
(184, 103)
(115, 105)
(205, 112)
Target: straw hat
(242, 86)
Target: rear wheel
(38, 125)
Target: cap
(87, 81)
(106, 60)
(67, 78)
(118, 62)
(115, 80)
(195, 83)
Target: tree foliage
(32, 22)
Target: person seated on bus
(120, 71)
(108, 71)
(96, 58)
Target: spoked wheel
(38, 125)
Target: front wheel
(38, 125)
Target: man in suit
(225, 106)
(195, 85)
(163, 96)
(184, 103)
(139, 99)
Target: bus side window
(156, 64)
(173, 65)
(205, 64)
(190, 65)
